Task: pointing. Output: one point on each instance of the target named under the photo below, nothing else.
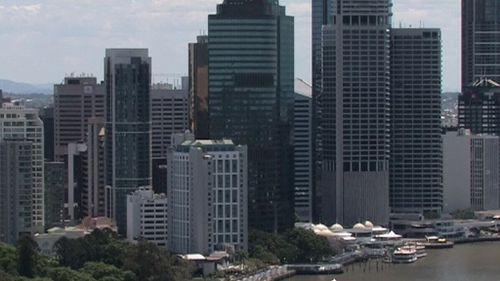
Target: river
(468, 262)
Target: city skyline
(38, 33)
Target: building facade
(75, 101)
(55, 179)
(353, 176)
(251, 80)
(147, 216)
(480, 40)
(198, 87)
(207, 195)
(416, 146)
(303, 151)
(20, 123)
(169, 115)
(128, 127)
(47, 116)
(16, 185)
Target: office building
(75, 101)
(20, 123)
(471, 171)
(74, 168)
(416, 146)
(251, 80)
(93, 178)
(207, 195)
(480, 40)
(169, 115)
(479, 107)
(198, 87)
(55, 179)
(354, 103)
(16, 185)
(147, 216)
(127, 75)
(303, 151)
(47, 116)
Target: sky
(42, 41)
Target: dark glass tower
(416, 148)
(128, 126)
(198, 87)
(354, 103)
(251, 88)
(480, 40)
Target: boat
(404, 255)
(421, 253)
(434, 242)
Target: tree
(8, 259)
(311, 247)
(67, 274)
(101, 271)
(27, 250)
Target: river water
(468, 262)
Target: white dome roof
(337, 228)
(320, 227)
(359, 226)
(368, 224)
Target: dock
(311, 269)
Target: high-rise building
(16, 185)
(169, 115)
(471, 171)
(303, 151)
(128, 127)
(251, 80)
(93, 168)
(55, 179)
(147, 216)
(354, 105)
(75, 101)
(198, 87)
(416, 146)
(480, 40)
(479, 107)
(20, 123)
(207, 195)
(47, 116)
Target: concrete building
(169, 115)
(75, 101)
(128, 126)
(147, 216)
(303, 151)
(416, 146)
(471, 171)
(480, 40)
(251, 80)
(207, 195)
(16, 185)
(55, 182)
(353, 177)
(198, 87)
(20, 123)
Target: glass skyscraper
(251, 91)
(128, 126)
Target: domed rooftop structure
(359, 226)
(320, 227)
(337, 228)
(368, 224)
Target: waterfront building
(169, 115)
(147, 216)
(479, 107)
(127, 75)
(16, 185)
(416, 146)
(75, 101)
(251, 80)
(47, 116)
(480, 40)
(353, 177)
(471, 171)
(24, 124)
(303, 151)
(207, 195)
(55, 179)
(198, 87)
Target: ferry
(434, 242)
(404, 255)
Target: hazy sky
(43, 40)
